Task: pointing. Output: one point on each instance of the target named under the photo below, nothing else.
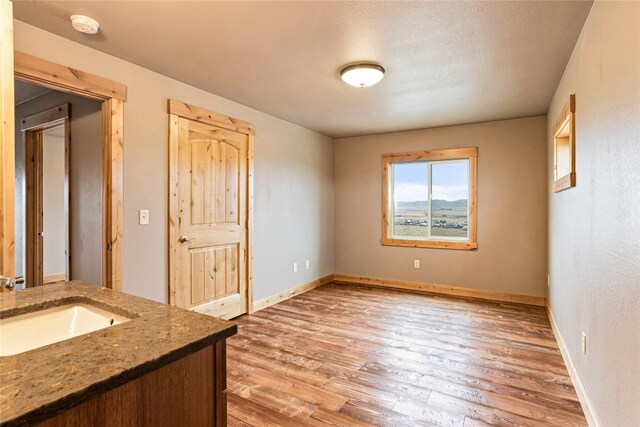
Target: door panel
(212, 205)
(213, 273)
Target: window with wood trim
(429, 199)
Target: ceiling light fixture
(84, 24)
(362, 75)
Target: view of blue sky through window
(450, 181)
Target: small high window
(429, 199)
(564, 147)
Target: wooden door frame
(7, 144)
(177, 110)
(65, 79)
(33, 128)
(112, 95)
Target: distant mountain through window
(436, 203)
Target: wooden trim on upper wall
(67, 79)
(446, 154)
(441, 289)
(205, 116)
(7, 145)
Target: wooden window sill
(434, 244)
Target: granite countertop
(38, 384)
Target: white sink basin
(39, 328)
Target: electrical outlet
(548, 280)
(584, 343)
(143, 217)
(416, 263)
(306, 264)
(295, 267)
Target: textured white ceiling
(447, 62)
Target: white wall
(594, 228)
(294, 208)
(53, 205)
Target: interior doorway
(46, 255)
(210, 211)
(110, 96)
(58, 187)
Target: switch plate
(295, 267)
(306, 264)
(143, 217)
(584, 343)
(416, 263)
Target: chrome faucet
(6, 283)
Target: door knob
(185, 239)
(6, 282)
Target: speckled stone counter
(40, 383)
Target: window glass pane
(410, 200)
(450, 199)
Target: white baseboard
(441, 289)
(274, 299)
(587, 407)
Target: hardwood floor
(344, 355)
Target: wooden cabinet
(188, 392)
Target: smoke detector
(84, 24)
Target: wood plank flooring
(345, 355)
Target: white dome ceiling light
(362, 75)
(84, 24)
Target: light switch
(295, 267)
(306, 264)
(143, 217)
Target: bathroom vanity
(130, 361)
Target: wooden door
(210, 227)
